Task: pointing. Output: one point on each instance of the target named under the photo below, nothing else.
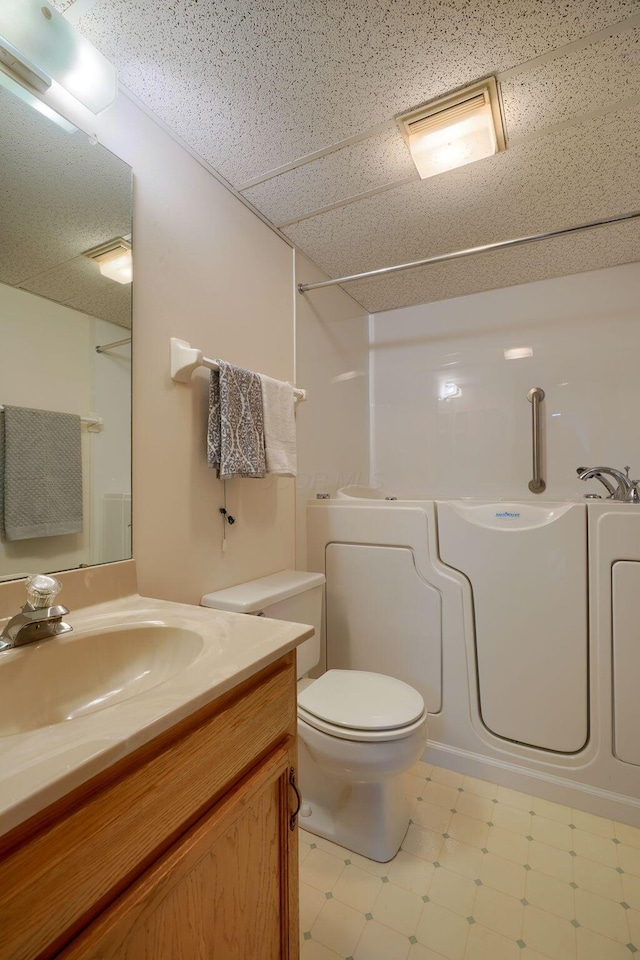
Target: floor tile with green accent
(484, 873)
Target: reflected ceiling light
(114, 260)
(40, 46)
(349, 375)
(450, 390)
(455, 130)
(18, 91)
(518, 353)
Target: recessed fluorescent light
(518, 353)
(455, 130)
(19, 91)
(114, 260)
(41, 46)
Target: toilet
(359, 732)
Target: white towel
(278, 405)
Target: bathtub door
(527, 566)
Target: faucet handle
(42, 590)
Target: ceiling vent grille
(447, 116)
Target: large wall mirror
(65, 289)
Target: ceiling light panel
(42, 46)
(114, 260)
(455, 130)
(247, 118)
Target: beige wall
(332, 360)
(208, 271)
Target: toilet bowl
(359, 732)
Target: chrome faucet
(625, 490)
(40, 618)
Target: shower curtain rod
(459, 254)
(115, 343)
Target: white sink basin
(133, 668)
(84, 672)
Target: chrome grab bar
(535, 397)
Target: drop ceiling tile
(593, 77)
(60, 194)
(587, 172)
(604, 247)
(79, 284)
(254, 84)
(373, 163)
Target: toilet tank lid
(255, 595)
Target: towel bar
(96, 422)
(185, 359)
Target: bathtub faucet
(625, 491)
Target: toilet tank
(291, 595)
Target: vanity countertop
(41, 765)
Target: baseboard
(602, 803)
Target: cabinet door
(227, 890)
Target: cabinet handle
(292, 784)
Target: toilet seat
(361, 736)
(363, 706)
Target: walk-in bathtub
(527, 652)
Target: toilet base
(371, 818)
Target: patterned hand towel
(40, 473)
(235, 434)
(278, 404)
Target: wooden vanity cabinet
(185, 852)
(222, 891)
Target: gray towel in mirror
(40, 473)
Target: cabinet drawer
(62, 876)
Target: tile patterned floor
(484, 873)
